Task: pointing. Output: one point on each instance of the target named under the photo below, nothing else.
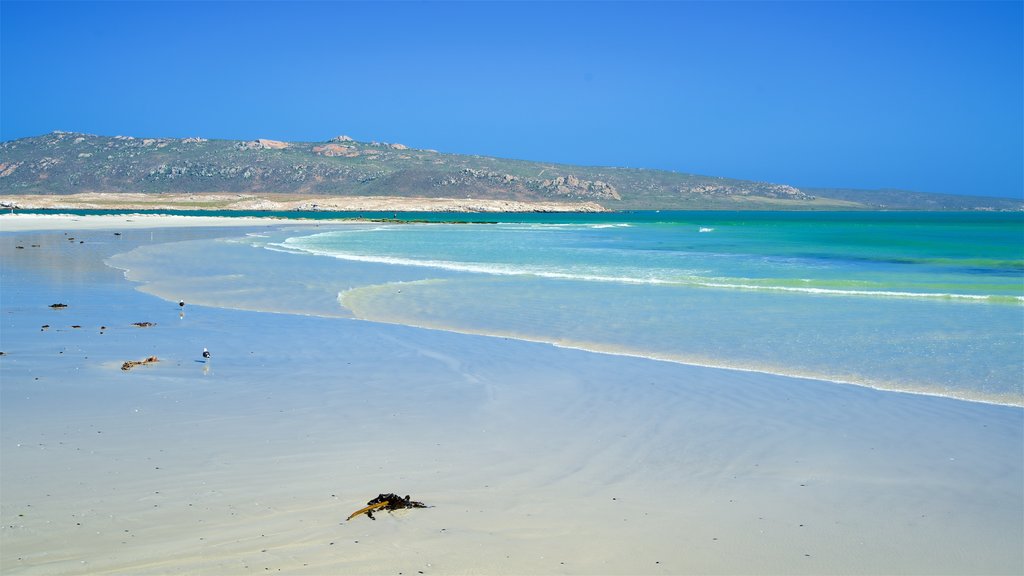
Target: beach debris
(76, 325)
(133, 363)
(143, 324)
(206, 353)
(181, 303)
(387, 502)
(20, 247)
(44, 327)
(58, 305)
(117, 233)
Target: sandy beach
(21, 222)
(284, 202)
(533, 459)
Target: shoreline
(284, 203)
(712, 366)
(46, 222)
(40, 222)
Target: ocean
(929, 303)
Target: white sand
(535, 459)
(22, 222)
(284, 202)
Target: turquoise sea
(920, 302)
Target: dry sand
(535, 459)
(22, 222)
(286, 202)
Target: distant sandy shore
(28, 222)
(283, 202)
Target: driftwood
(58, 305)
(133, 363)
(387, 502)
(143, 324)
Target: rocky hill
(63, 163)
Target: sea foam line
(512, 270)
(887, 293)
(612, 350)
(491, 269)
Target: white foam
(679, 278)
(875, 293)
(1002, 399)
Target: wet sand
(534, 459)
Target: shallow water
(929, 303)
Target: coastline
(39, 222)
(283, 203)
(536, 459)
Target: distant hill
(888, 199)
(62, 163)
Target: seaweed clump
(133, 363)
(387, 502)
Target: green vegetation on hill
(68, 163)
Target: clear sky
(925, 96)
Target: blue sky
(917, 95)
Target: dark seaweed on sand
(387, 502)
